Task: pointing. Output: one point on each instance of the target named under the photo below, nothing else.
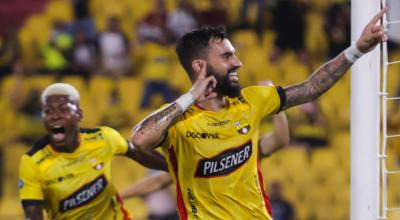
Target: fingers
(378, 33)
(378, 16)
(213, 82)
(203, 70)
(204, 87)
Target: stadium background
(315, 177)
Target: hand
(204, 87)
(373, 34)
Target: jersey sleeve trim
(282, 97)
(29, 202)
(43, 142)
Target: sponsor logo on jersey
(45, 157)
(84, 195)
(219, 123)
(224, 163)
(76, 161)
(96, 165)
(242, 126)
(58, 179)
(96, 136)
(192, 202)
(202, 135)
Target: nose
(236, 62)
(55, 115)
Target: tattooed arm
(327, 75)
(151, 131)
(318, 83)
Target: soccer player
(67, 172)
(269, 143)
(210, 134)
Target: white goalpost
(369, 171)
(365, 95)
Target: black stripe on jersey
(28, 202)
(39, 145)
(282, 96)
(89, 130)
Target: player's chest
(213, 127)
(65, 174)
(219, 145)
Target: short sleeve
(118, 144)
(266, 99)
(30, 188)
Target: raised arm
(328, 74)
(33, 212)
(150, 132)
(147, 185)
(274, 141)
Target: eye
(47, 111)
(65, 109)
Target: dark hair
(194, 45)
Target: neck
(71, 144)
(214, 104)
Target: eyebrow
(228, 53)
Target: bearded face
(227, 82)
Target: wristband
(185, 101)
(352, 53)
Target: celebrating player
(67, 172)
(210, 134)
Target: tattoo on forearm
(318, 83)
(156, 120)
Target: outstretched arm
(328, 74)
(150, 132)
(147, 185)
(271, 142)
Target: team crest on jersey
(96, 165)
(242, 126)
(84, 195)
(225, 162)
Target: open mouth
(233, 76)
(58, 133)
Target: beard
(224, 86)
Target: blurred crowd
(146, 50)
(79, 47)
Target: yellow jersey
(213, 157)
(74, 185)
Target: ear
(198, 65)
(80, 114)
